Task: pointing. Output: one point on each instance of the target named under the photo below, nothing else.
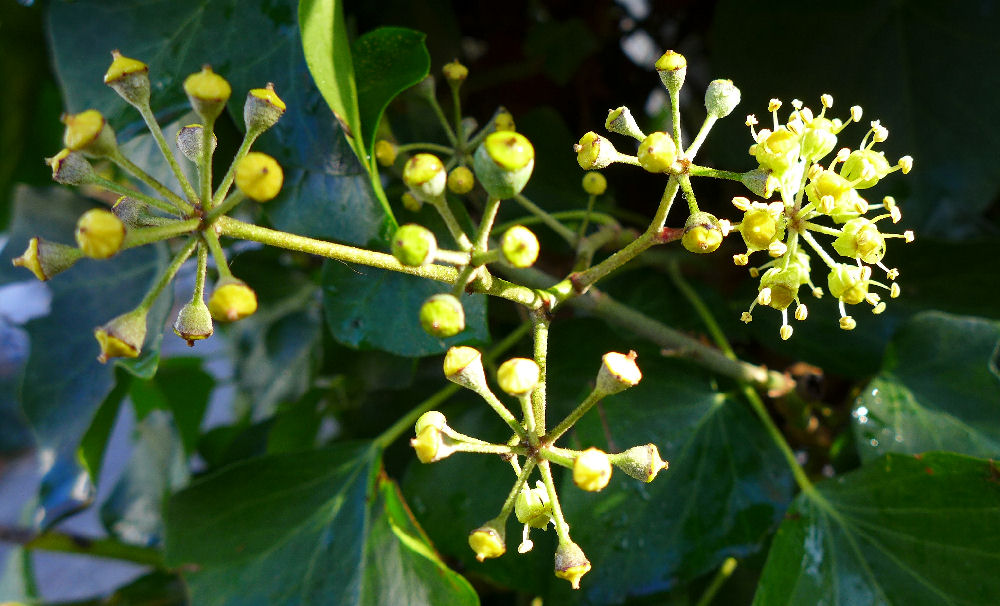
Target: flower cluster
(138, 219)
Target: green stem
(452, 257)
(69, 543)
(441, 149)
(229, 204)
(169, 273)
(456, 104)
(586, 221)
(498, 449)
(823, 229)
(145, 177)
(405, 424)
(200, 273)
(706, 126)
(505, 414)
(131, 193)
(593, 398)
(675, 114)
(564, 232)
(714, 330)
(227, 181)
(692, 202)
(562, 528)
(441, 205)
(558, 456)
(819, 249)
(571, 215)
(161, 142)
(591, 244)
(463, 279)
(721, 575)
(540, 332)
(703, 171)
(205, 165)
(221, 265)
(508, 504)
(486, 224)
(148, 235)
(444, 120)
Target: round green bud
(411, 203)
(618, 372)
(207, 92)
(442, 316)
(89, 133)
(123, 336)
(503, 163)
(571, 563)
(594, 183)
(640, 462)
(861, 239)
(385, 152)
(70, 168)
(232, 300)
(431, 418)
(519, 246)
(425, 176)
(865, 162)
(455, 73)
(672, 68)
(464, 366)
(594, 152)
(702, 233)
(721, 98)
(262, 109)
(849, 283)
(259, 176)
(190, 141)
(657, 152)
(129, 78)
(414, 245)
(99, 233)
(518, 376)
(592, 470)
(487, 541)
(620, 121)
(503, 121)
(46, 259)
(194, 322)
(461, 180)
(818, 139)
(431, 444)
(533, 506)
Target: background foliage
(292, 497)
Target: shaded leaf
(900, 530)
(318, 527)
(937, 390)
(180, 387)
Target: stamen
(801, 313)
(826, 100)
(906, 164)
(742, 203)
(746, 318)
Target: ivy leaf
(938, 390)
(371, 308)
(322, 527)
(903, 529)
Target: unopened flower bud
(442, 316)
(533, 506)
(194, 322)
(262, 109)
(99, 233)
(571, 563)
(129, 78)
(657, 152)
(621, 121)
(519, 246)
(461, 180)
(594, 183)
(131, 212)
(88, 132)
(70, 168)
(259, 176)
(518, 376)
(431, 418)
(640, 462)
(464, 366)
(618, 372)
(414, 245)
(207, 92)
(426, 88)
(431, 445)
(385, 152)
(503, 163)
(46, 259)
(455, 73)
(702, 233)
(411, 203)
(487, 541)
(425, 176)
(594, 152)
(721, 98)
(592, 470)
(232, 300)
(190, 141)
(123, 336)
(503, 121)
(672, 68)
(761, 182)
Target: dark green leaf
(561, 47)
(181, 387)
(936, 391)
(95, 441)
(133, 510)
(317, 527)
(387, 61)
(900, 530)
(906, 63)
(373, 308)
